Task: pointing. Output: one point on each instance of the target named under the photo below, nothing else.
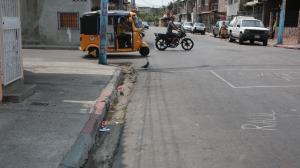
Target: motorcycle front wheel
(161, 44)
(187, 44)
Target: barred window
(68, 20)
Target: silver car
(199, 28)
(187, 26)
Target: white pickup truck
(248, 28)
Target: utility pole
(103, 27)
(281, 22)
(196, 17)
(133, 4)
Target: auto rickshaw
(124, 33)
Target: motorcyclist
(171, 27)
(223, 31)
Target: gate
(10, 37)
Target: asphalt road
(221, 105)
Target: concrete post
(281, 23)
(196, 17)
(299, 28)
(103, 27)
(1, 92)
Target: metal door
(12, 58)
(10, 37)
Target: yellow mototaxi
(124, 34)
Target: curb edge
(78, 153)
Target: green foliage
(152, 16)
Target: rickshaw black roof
(110, 13)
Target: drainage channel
(111, 128)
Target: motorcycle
(162, 41)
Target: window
(68, 20)
(252, 23)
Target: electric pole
(133, 4)
(196, 17)
(281, 23)
(103, 27)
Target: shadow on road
(115, 56)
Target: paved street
(221, 105)
(44, 130)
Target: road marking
(218, 76)
(255, 86)
(267, 86)
(261, 121)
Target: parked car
(235, 19)
(217, 27)
(249, 29)
(199, 28)
(187, 26)
(145, 25)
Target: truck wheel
(144, 51)
(230, 38)
(240, 40)
(265, 42)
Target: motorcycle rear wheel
(161, 44)
(187, 44)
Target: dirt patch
(107, 140)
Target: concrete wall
(289, 35)
(222, 6)
(40, 21)
(233, 9)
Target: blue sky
(152, 3)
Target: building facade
(52, 22)
(57, 22)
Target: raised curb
(18, 94)
(287, 47)
(49, 47)
(78, 153)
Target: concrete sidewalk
(56, 126)
(294, 46)
(273, 43)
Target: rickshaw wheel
(144, 51)
(95, 51)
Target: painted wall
(233, 8)
(40, 21)
(222, 6)
(289, 35)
